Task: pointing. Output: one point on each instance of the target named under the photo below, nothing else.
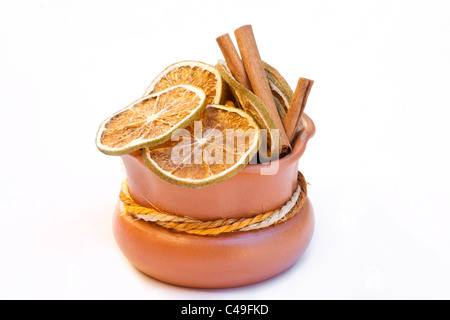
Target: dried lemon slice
(280, 101)
(194, 73)
(150, 120)
(277, 80)
(248, 101)
(215, 147)
(281, 91)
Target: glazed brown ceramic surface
(244, 195)
(227, 260)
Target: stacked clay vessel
(224, 260)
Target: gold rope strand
(218, 226)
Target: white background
(378, 165)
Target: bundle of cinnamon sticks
(247, 68)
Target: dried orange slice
(215, 147)
(194, 73)
(150, 120)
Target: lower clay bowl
(222, 261)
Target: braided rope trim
(215, 227)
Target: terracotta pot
(253, 190)
(225, 260)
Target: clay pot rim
(297, 150)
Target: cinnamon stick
(296, 108)
(258, 79)
(233, 60)
(305, 99)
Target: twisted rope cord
(218, 226)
